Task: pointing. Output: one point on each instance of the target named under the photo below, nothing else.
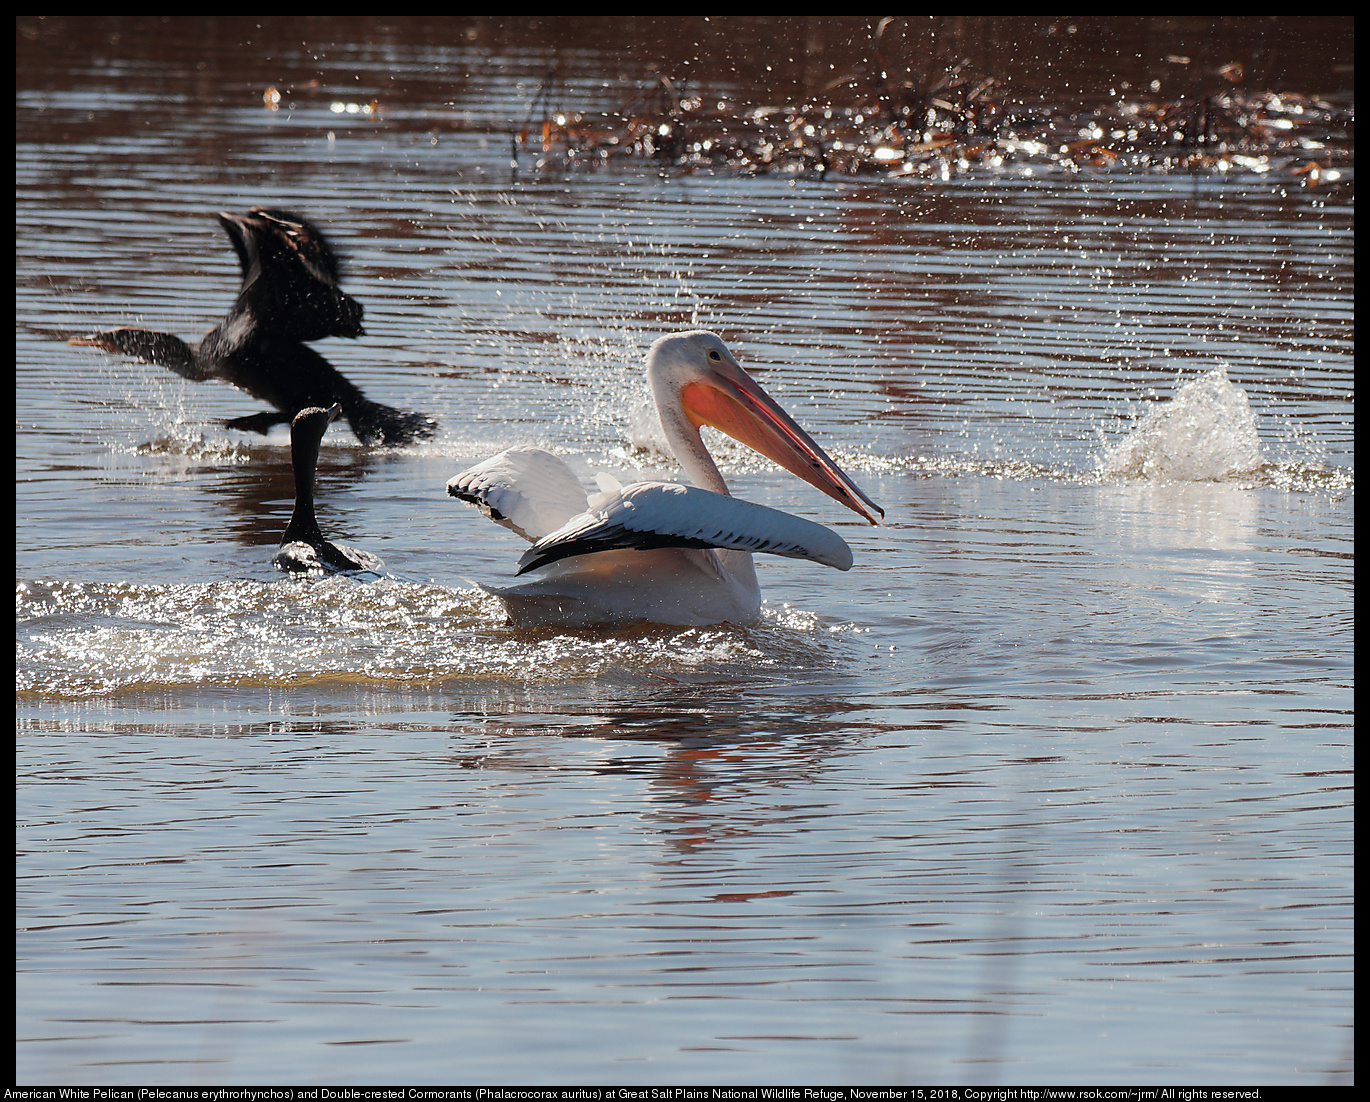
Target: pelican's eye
(713, 354)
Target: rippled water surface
(1054, 785)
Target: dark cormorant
(290, 295)
(303, 548)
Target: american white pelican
(659, 551)
(303, 548)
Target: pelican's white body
(657, 551)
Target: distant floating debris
(344, 107)
(274, 99)
(959, 120)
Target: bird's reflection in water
(714, 764)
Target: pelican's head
(696, 381)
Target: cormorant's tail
(373, 423)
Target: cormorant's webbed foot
(258, 422)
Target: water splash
(100, 639)
(1205, 433)
(196, 447)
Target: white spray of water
(1205, 433)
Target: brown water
(1055, 785)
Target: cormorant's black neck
(164, 349)
(304, 456)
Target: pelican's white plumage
(660, 551)
(666, 514)
(527, 490)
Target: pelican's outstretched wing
(528, 490)
(650, 515)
